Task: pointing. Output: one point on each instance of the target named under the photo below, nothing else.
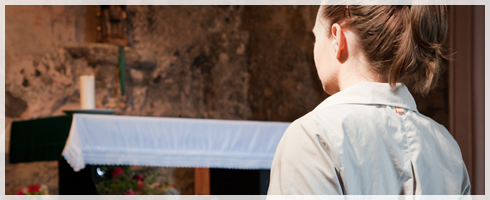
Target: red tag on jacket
(399, 110)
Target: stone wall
(283, 80)
(221, 62)
(39, 77)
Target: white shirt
(356, 143)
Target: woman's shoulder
(436, 132)
(337, 118)
(363, 121)
(323, 123)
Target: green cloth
(39, 139)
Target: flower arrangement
(34, 189)
(122, 180)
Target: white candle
(87, 92)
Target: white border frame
(229, 2)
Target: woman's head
(391, 43)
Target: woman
(368, 137)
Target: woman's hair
(402, 43)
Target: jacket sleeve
(466, 186)
(304, 161)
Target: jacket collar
(372, 93)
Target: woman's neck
(356, 72)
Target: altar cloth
(171, 142)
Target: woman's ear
(339, 41)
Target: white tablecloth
(171, 142)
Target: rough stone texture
(16, 107)
(222, 62)
(283, 82)
(201, 69)
(39, 77)
(35, 172)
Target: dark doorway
(239, 182)
(75, 183)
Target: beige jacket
(368, 139)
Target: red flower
(129, 192)
(117, 172)
(174, 185)
(20, 192)
(33, 188)
(139, 178)
(140, 183)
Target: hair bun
(421, 55)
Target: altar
(90, 139)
